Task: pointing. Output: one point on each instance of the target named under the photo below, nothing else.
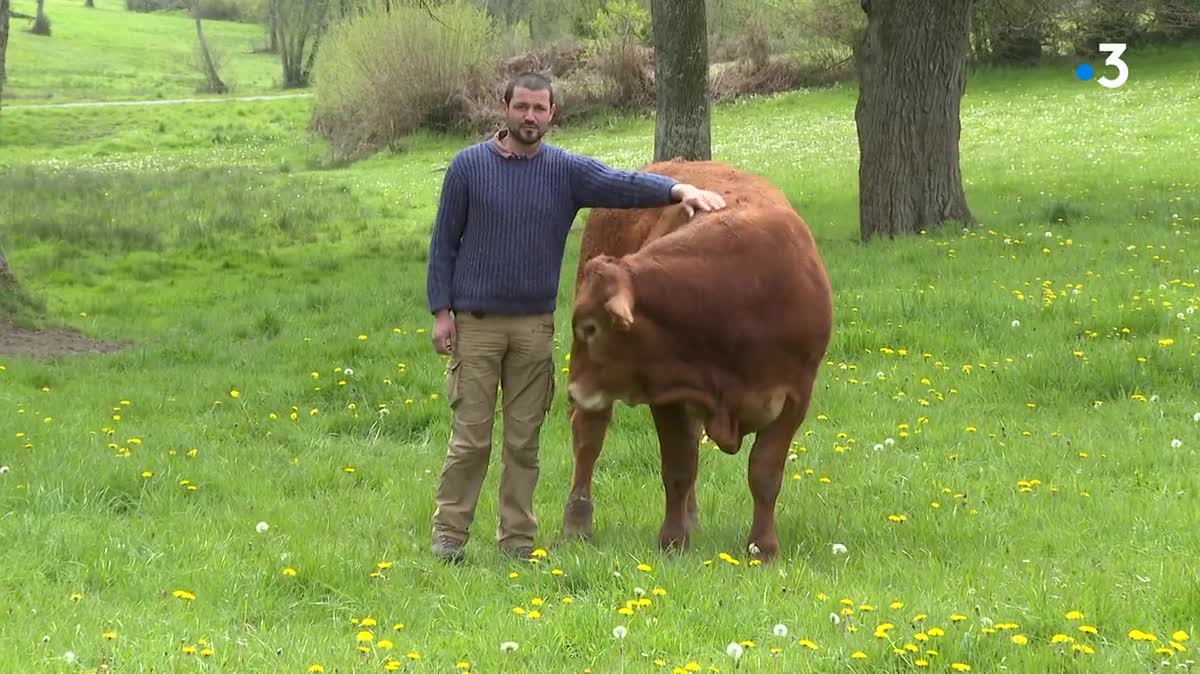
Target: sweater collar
(497, 144)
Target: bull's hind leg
(679, 444)
(768, 457)
(587, 437)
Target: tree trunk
(912, 74)
(683, 125)
(41, 25)
(3, 45)
(273, 26)
(90, 4)
(215, 85)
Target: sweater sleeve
(447, 234)
(597, 185)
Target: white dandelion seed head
(753, 549)
(616, 574)
(509, 646)
(878, 447)
(835, 619)
(45, 638)
(4, 469)
(1016, 323)
(889, 442)
(348, 372)
(839, 549)
(1190, 310)
(619, 631)
(639, 592)
(734, 650)
(1179, 315)
(1176, 443)
(69, 656)
(1049, 235)
(880, 375)
(262, 527)
(1195, 417)
(780, 630)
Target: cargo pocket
(453, 382)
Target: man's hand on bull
(695, 199)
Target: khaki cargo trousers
(516, 355)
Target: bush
(381, 76)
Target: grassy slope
(108, 53)
(221, 244)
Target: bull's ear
(620, 306)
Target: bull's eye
(586, 330)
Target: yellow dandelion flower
(809, 644)
(1180, 636)
(660, 592)
(896, 605)
(1083, 648)
(463, 665)
(316, 669)
(207, 652)
(692, 667)
(1088, 629)
(957, 618)
(937, 632)
(414, 656)
(392, 665)
(519, 610)
(534, 615)
(289, 571)
(1020, 639)
(184, 594)
(960, 667)
(858, 655)
(189, 650)
(921, 663)
(364, 635)
(385, 644)
(1074, 615)
(1061, 639)
(568, 600)
(644, 567)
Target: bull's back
(620, 232)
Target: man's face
(529, 114)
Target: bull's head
(602, 360)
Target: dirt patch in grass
(46, 343)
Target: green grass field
(1004, 438)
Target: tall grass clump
(381, 76)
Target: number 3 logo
(1114, 49)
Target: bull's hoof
(577, 519)
(763, 551)
(673, 539)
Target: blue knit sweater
(502, 224)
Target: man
(495, 256)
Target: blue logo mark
(1084, 72)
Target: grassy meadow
(1000, 471)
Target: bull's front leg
(679, 444)
(588, 429)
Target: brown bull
(719, 324)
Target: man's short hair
(528, 80)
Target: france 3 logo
(1114, 50)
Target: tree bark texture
(912, 74)
(215, 85)
(683, 126)
(41, 25)
(3, 43)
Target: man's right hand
(444, 334)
